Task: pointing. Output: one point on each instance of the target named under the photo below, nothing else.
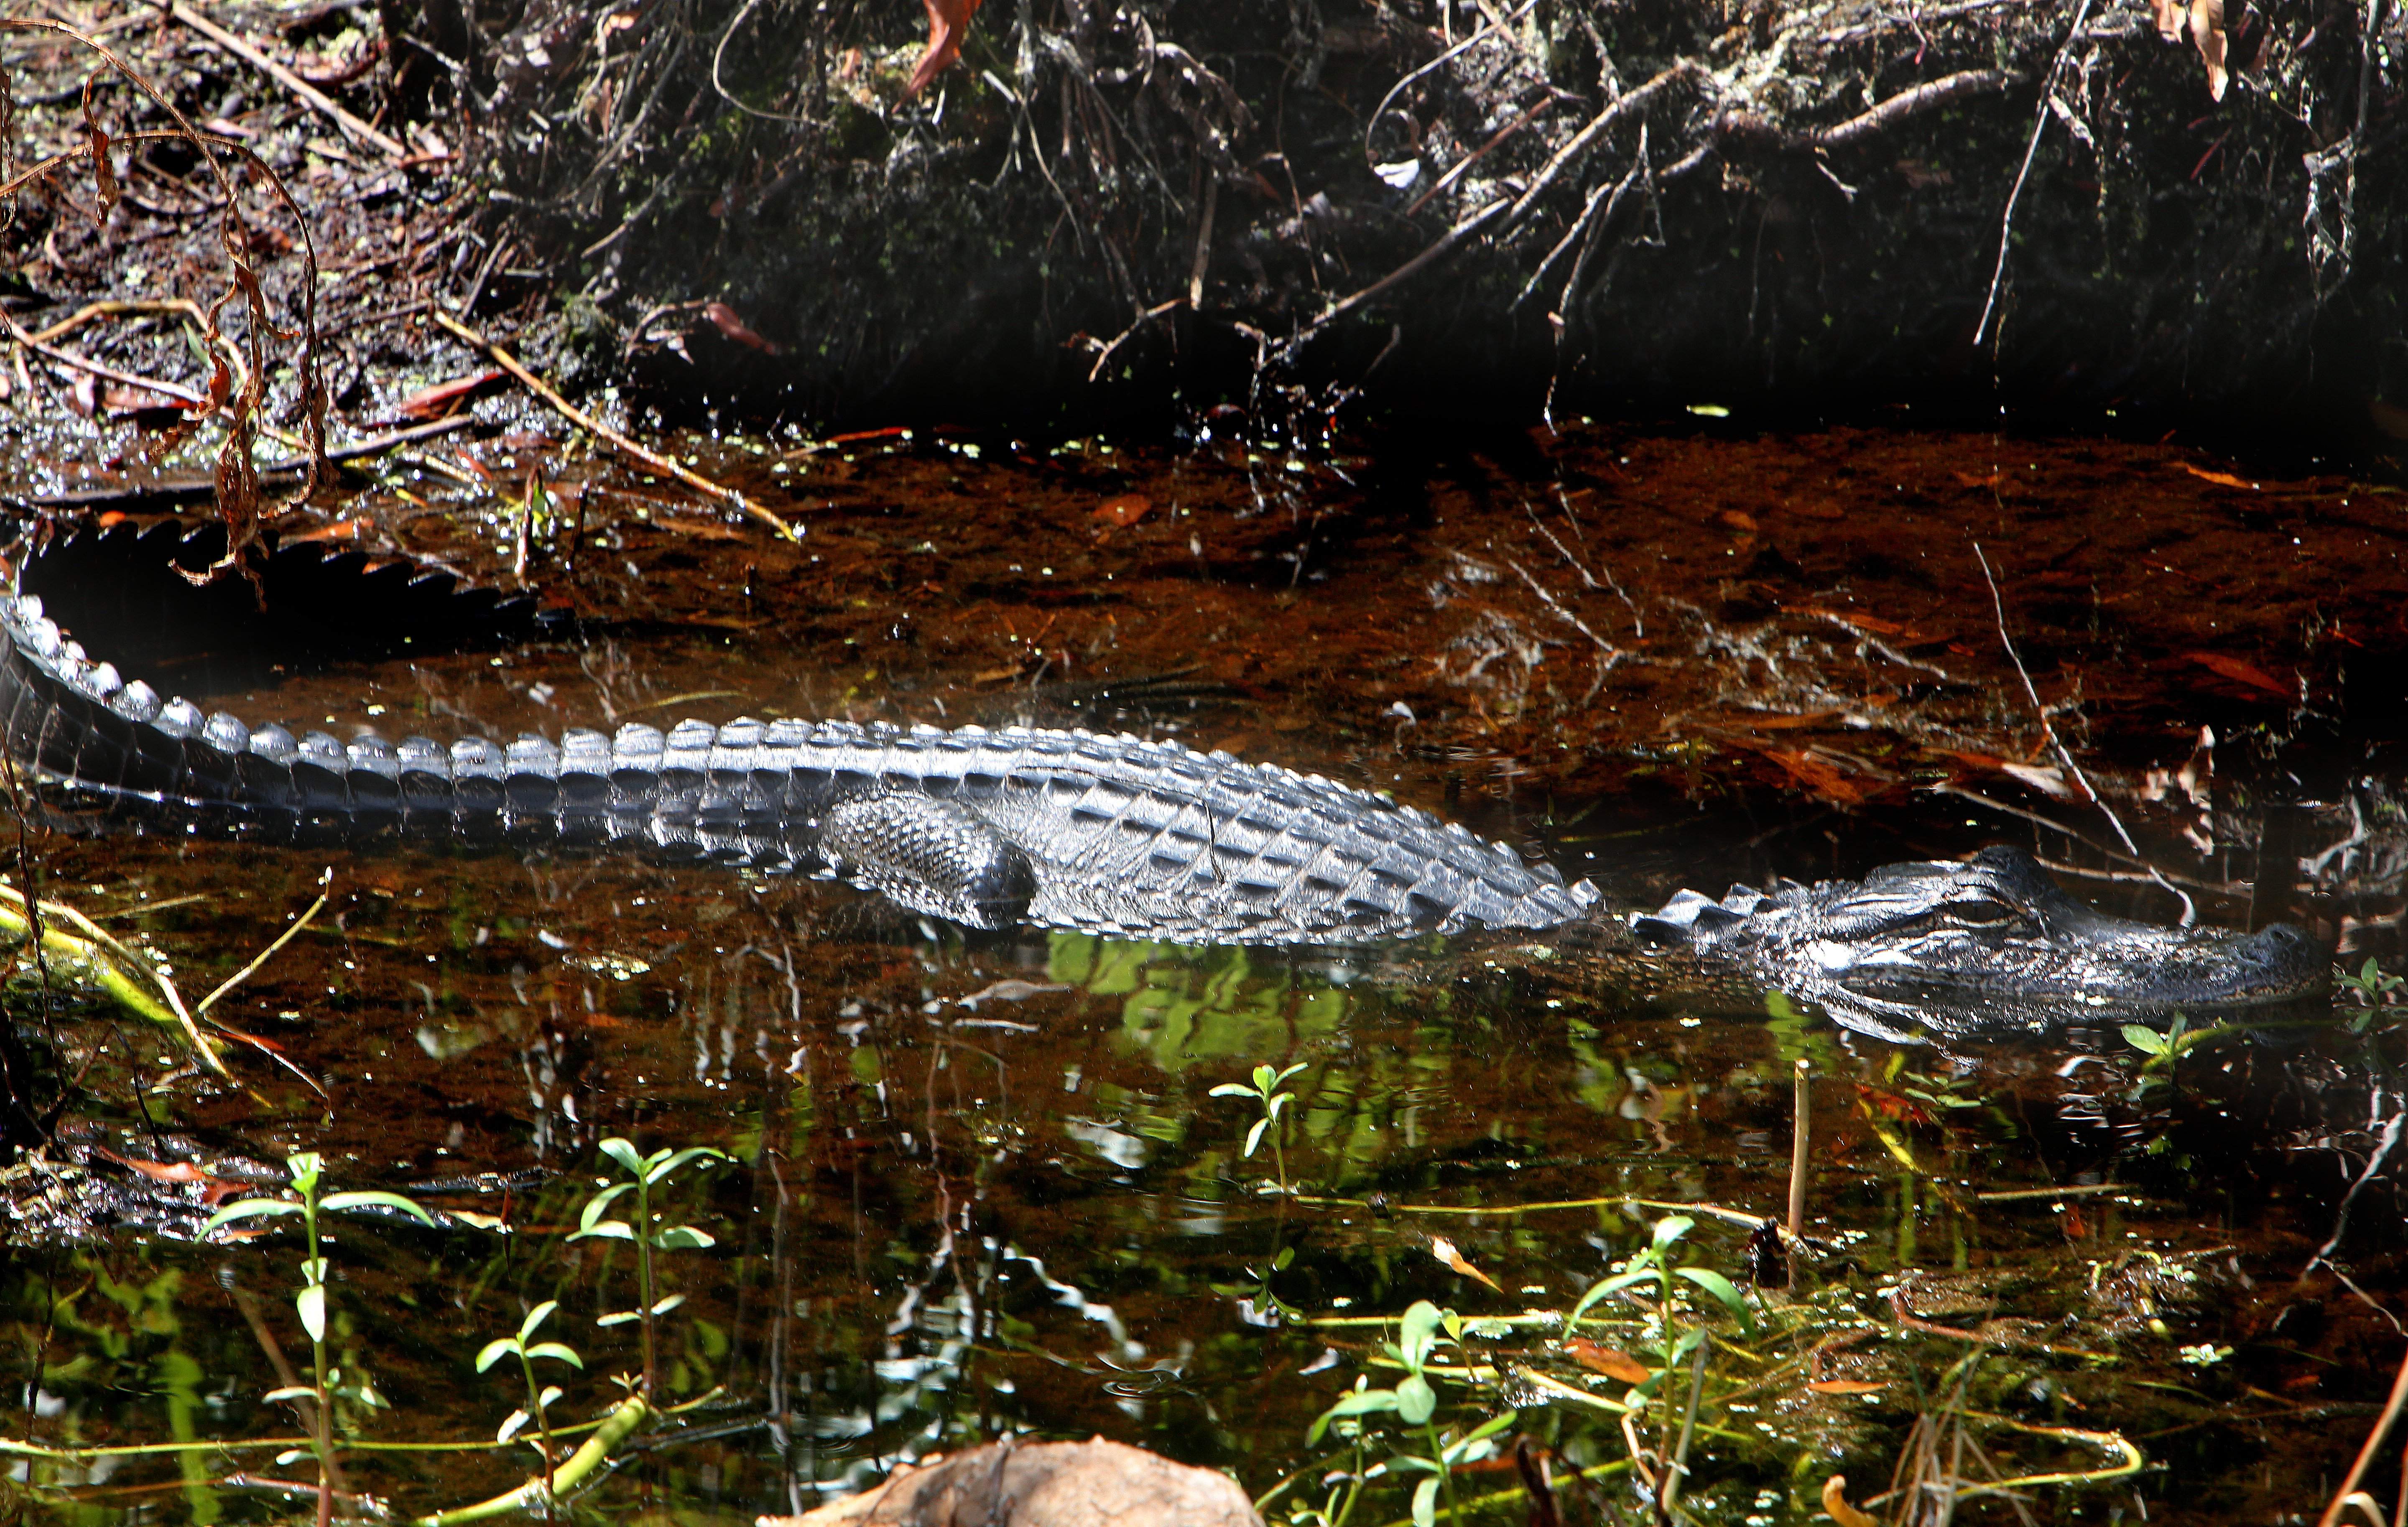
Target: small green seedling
(539, 1397)
(645, 1173)
(1265, 1091)
(308, 1172)
(1415, 1401)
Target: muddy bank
(1114, 210)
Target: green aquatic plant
(1413, 1400)
(644, 1174)
(326, 1385)
(539, 1397)
(1264, 1090)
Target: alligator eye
(1984, 913)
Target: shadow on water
(1012, 1184)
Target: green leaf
(2147, 1041)
(1482, 1432)
(1361, 1402)
(510, 1426)
(1287, 1071)
(387, 1200)
(495, 1351)
(1426, 1502)
(658, 1168)
(250, 1208)
(1232, 1089)
(1286, 1255)
(603, 1199)
(1671, 1228)
(551, 1393)
(624, 1152)
(608, 1230)
(536, 1316)
(1254, 1138)
(290, 1392)
(307, 1167)
(560, 1352)
(312, 1303)
(1417, 1333)
(1266, 1078)
(672, 1301)
(619, 1318)
(683, 1238)
(1722, 1290)
(1279, 1100)
(1417, 1401)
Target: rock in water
(1042, 1484)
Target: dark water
(985, 1187)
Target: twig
(1203, 245)
(1907, 102)
(90, 311)
(1621, 107)
(260, 959)
(1597, 196)
(2065, 754)
(1801, 1136)
(1440, 62)
(1121, 339)
(575, 414)
(1443, 246)
(1456, 172)
(316, 99)
(2366, 1453)
(106, 373)
(2391, 1128)
(191, 488)
(2031, 151)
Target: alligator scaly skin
(1063, 829)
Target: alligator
(1069, 829)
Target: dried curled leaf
(1443, 1250)
(949, 22)
(2207, 34)
(2204, 21)
(1835, 1503)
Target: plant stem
(542, 1422)
(644, 1277)
(321, 1429)
(615, 1430)
(1445, 1475)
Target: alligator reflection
(987, 1187)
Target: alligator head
(1988, 947)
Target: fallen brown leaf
(1444, 1250)
(440, 399)
(1122, 512)
(2222, 480)
(1819, 775)
(949, 20)
(1844, 1385)
(1607, 1360)
(2242, 673)
(732, 327)
(2207, 36)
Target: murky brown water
(985, 1187)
